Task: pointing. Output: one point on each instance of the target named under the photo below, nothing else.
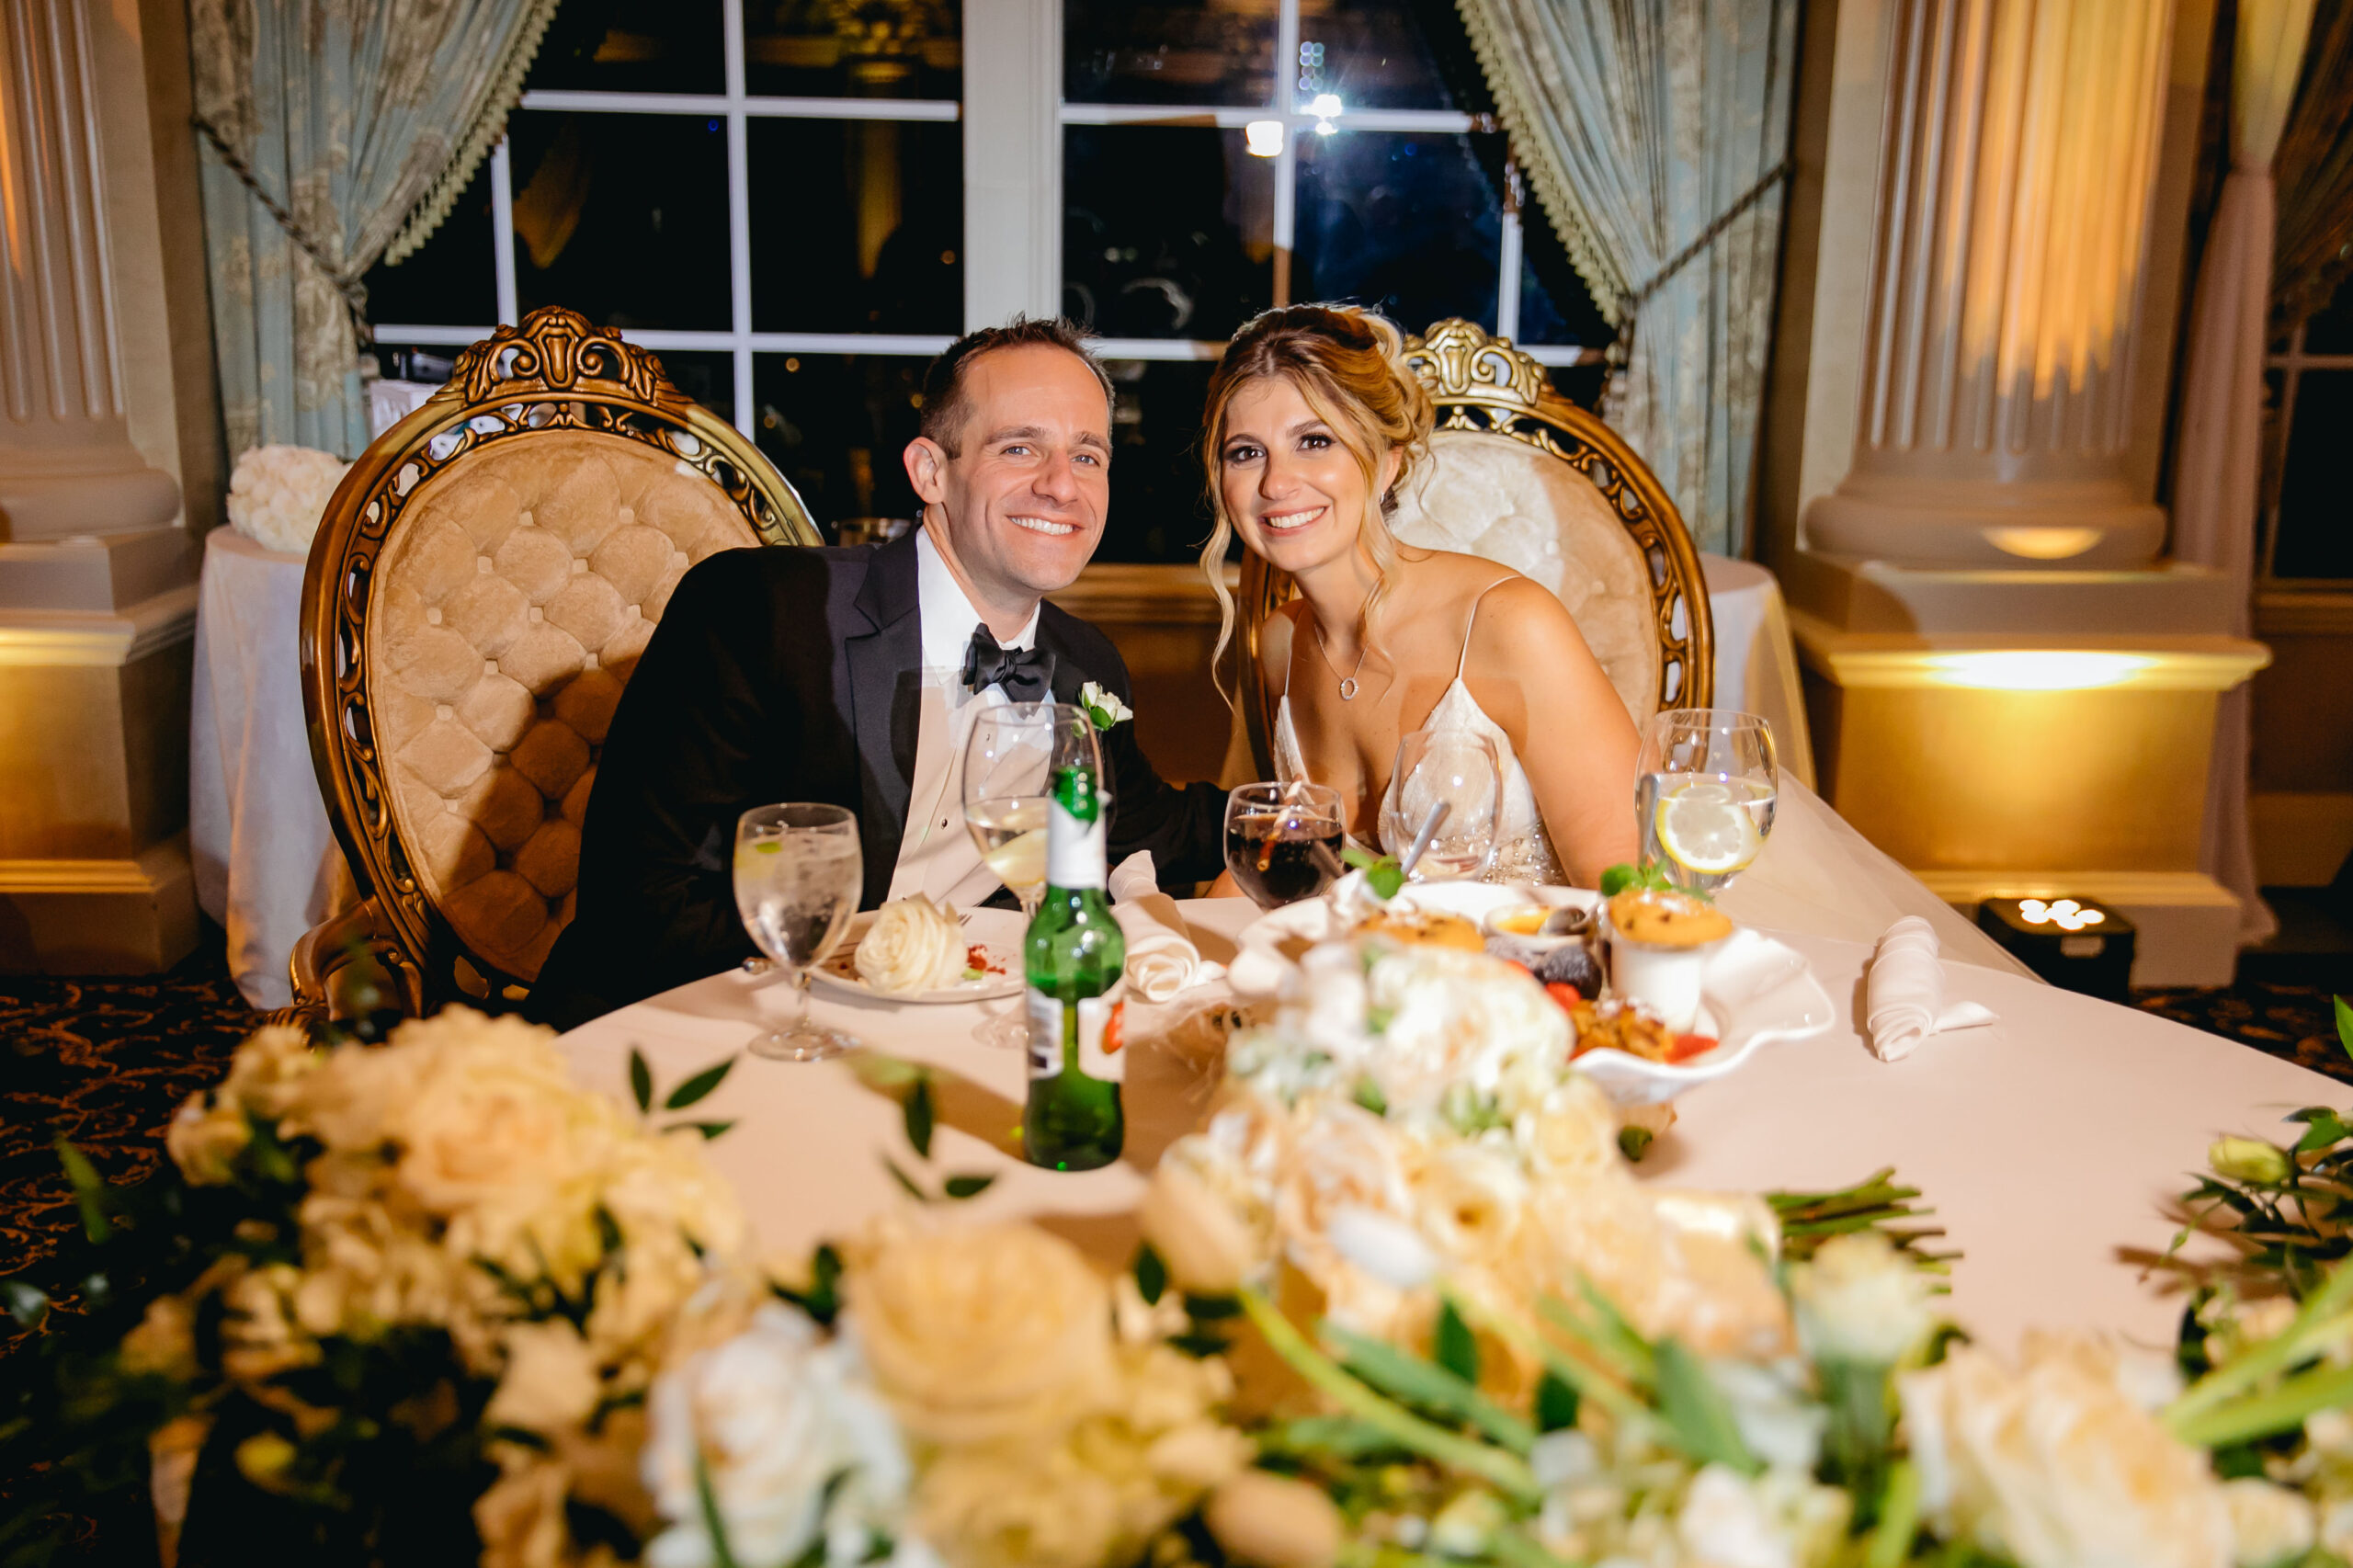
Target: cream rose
(2269, 1524)
(914, 945)
(2055, 1465)
(277, 495)
(1861, 1300)
(1194, 1216)
(205, 1137)
(771, 1417)
(1274, 1521)
(551, 1384)
(978, 1333)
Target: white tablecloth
(267, 864)
(1756, 659)
(2045, 1146)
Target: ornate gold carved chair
(1521, 476)
(479, 591)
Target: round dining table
(2051, 1145)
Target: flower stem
(2322, 1317)
(1505, 1473)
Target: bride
(1312, 425)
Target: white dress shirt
(936, 855)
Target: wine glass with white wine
(1705, 790)
(1010, 759)
(798, 876)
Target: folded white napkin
(1904, 997)
(1162, 959)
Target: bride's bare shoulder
(1275, 635)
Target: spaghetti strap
(1464, 658)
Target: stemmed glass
(1283, 841)
(1705, 788)
(1461, 770)
(798, 873)
(1010, 759)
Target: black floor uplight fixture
(2078, 944)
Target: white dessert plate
(1756, 991)
(995, 934)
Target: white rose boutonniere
(1102, 706)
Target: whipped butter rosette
(916, 944)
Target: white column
(1013, 160)
(2017, 172)
(67, 466)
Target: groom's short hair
(944, 404)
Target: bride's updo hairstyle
(1348, 364)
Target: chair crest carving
(554, 351)
(1485, 386)
(1456, 360)
(479, 589)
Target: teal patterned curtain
(1655, 133)
(332, 133)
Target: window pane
(634, 46)
(835, 425)
(2313, 540)
(1405, 223)
(819, 49)
(1167, 231)
(704, 375)
(1376, 54)
(2330, 330)
(451, 280)
(622, 217)
(1159, 505)
(1167, 51)
(857, 226)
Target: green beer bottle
(1073, 957)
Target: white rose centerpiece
(277, 495)
(914, 945)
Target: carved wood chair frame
(1483, 383)
(557, 372)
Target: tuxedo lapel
(884, 658)
(1069, 677)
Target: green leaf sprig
(1875, 1203)
(912, 1084)
(1650, 876)
(1382, 873)
(693, 1091)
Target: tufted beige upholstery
(509, 609)
(1489, 495)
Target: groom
(852, 676)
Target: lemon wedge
(1021, 862)
(1705, 827)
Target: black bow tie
(1026, 674)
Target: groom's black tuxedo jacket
(789, 674)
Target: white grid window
(755, 182)
(1299, 113)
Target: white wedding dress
(1523, 852)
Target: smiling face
(1017, 508)
(1288, 480)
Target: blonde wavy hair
(1348, 363)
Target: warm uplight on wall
(2036, 669)
(1264, 138)
(2063, 913)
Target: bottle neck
(1074, 847)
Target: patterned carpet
(106, 1061)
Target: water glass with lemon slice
(1705, 789)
